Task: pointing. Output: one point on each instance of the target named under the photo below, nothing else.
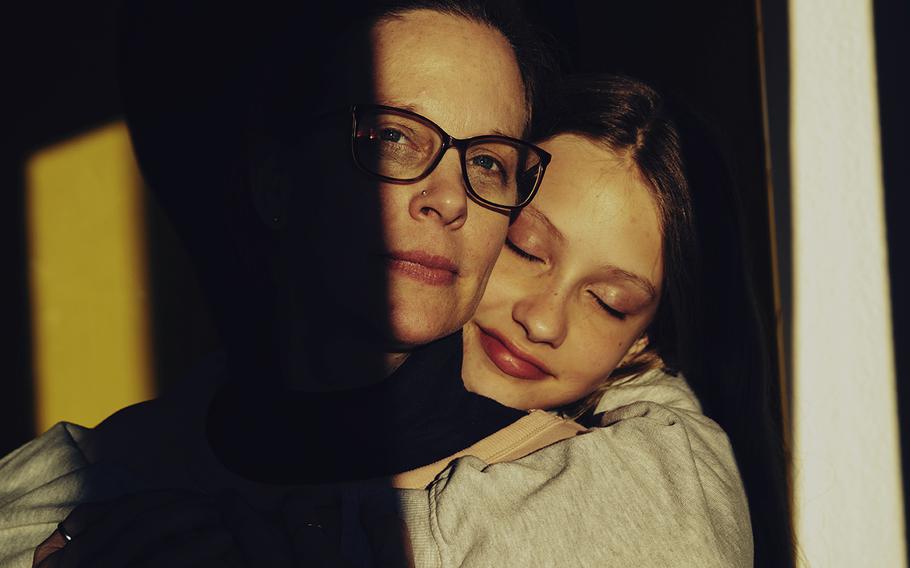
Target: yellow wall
(88, 278)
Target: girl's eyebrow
(543, 220)
(638, 281)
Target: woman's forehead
(461, 74)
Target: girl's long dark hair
(708, 325)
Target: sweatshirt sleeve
(40, 483)
(654, 486)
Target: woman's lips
(508, 358)
(424, 267)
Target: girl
(593, 310)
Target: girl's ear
(269, 185)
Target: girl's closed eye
(521, 252)
(608, 308)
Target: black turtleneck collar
(418, 415)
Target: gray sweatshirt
(656, 485)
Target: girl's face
(575, 287)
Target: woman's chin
(409, 331)
(415, 321)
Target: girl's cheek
(502, 290)
(597, 353)
(511, 278)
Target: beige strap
(530, 433)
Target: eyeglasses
(399, 146)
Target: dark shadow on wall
(17, 424)
(892, 18)
(776, 34)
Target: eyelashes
(606, 307)
(522, 253)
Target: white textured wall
(849, 508)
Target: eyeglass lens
(402, 148)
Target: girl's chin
(496, 387)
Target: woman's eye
(522, 253)
(391, 135)
(486, 162)
(607, 308)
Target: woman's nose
(543, 317)
(442, 195)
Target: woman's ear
(269, 185)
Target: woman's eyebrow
(395, 103)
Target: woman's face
(575, 286)
(380, 240)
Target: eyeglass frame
(448, 142)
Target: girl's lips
(508, 358)
(424, 267)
